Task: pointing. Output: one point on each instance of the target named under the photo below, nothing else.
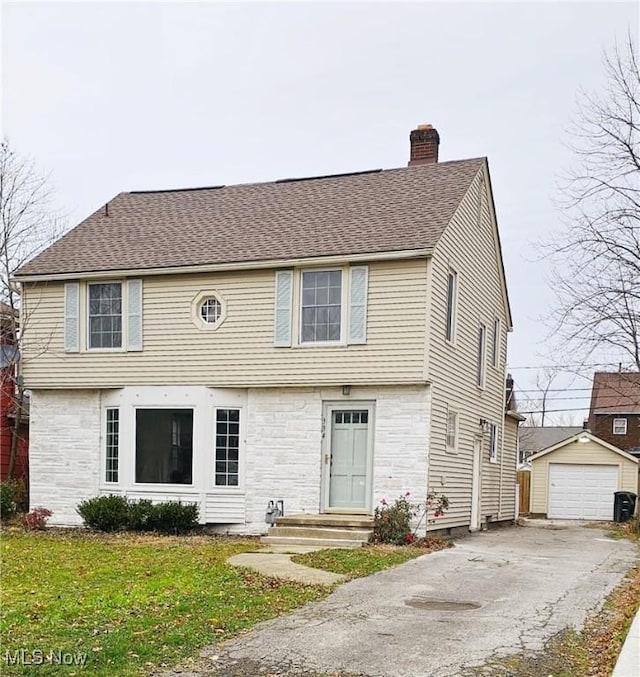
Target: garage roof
(587, 437)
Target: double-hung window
(331, 306)
(619, 426)
(105, 315)
(452, 291)
(482, 355)
(109, 318)
(495, 344)
(451, 437)
(493, 443)
(321, 309)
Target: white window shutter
(134, 315)
(283, 310)
(359, 277)
(72, 317)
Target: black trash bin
(624, 505)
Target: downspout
(502, 433)
(426, 368)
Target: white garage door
(582, 491)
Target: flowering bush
(37, 518)
(437, 503)
(391, 522)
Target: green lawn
(129, 603)
(132, 603)
(360, 561)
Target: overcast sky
(109, 97)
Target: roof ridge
(302, 178)
(175, 190)
(327, 176)
(357, 213)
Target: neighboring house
(614, 414)
(327, 342)
(577, 478)
(533, 439)
(9, 401)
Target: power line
(615, 398)
(549, 411)
(553, 390)
(560, 367)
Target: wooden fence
(524, 482)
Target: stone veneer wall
(283, 448)
(284, 445)
(64, 451)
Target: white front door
(476, 485)
(348, 457)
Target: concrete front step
(314, 542)
(357, 522)
(349, 534)
(324, 531)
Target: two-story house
(326, 341)
(614, 413)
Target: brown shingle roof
(615, 393)
(369, 212)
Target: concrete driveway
(494, 594)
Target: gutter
(223, 267)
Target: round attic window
(210, 310)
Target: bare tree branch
(596, 259)
(27, 225)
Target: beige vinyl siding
(509, 463)
(582, 453)
(241, 351)
(469, 247)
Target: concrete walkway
(276, 562)
(495, 594)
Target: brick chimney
(424, 145)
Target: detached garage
(577, 478)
